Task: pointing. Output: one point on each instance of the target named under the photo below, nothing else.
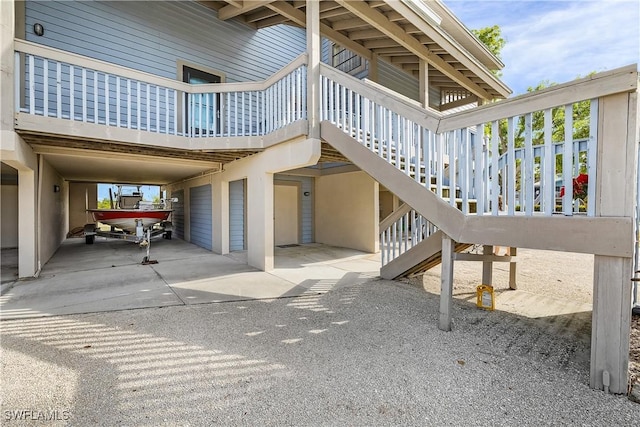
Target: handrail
(624, 79)
(398, 103)
(252, 86)
(73, 87)
(97, 65)
(394, 216)
(110, 68)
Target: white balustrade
(59, 89)
(401, 231)
(507, 166)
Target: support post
(424, 82)
(313, 67)
(220, 193)
(373, 68)
(260, 220)
(512, 269)
(487, 266)
(446, 284)
(27, 243)
(615, 196)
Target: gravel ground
(367, 354)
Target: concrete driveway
(108, 276)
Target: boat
(130, 217)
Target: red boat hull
(127, 219)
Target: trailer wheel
(167, 235)
(89, 239)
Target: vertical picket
(479, 170)
(495, 156)
(106, 100)
(32, 87)
(592, 152)
(45, 88)
(72, 93)
(567, 161)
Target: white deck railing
(503, 166)
(58, 84)
(401, 231)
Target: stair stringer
(420, 258)
(444, 216)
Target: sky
(557, 41)
(148, 191)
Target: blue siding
(306, 202)
(200, 216)
(236, 215)
(177, 216)
(398, 80)
(152, 37)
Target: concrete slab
(235, 287)
(8, 266)
(108, 276)
(118, 288)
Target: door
(236, 215)
(286, 215)
(177, 216)
(203, 111)
(200, 216)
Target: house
(286, 122)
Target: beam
(437, 35)
(231, 11)
(299, 17)
(394, 31)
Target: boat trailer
(142, 235)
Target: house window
(203, 111)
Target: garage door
(236, 215)
(177, 216)
(200, 216)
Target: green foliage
(104, 204)
(492, 38)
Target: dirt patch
(552, 284)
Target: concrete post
(27, 244)
(260, 220)
(220, 193)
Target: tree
(492, 38)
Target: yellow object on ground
(485, 297)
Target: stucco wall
(53, 206)
(347, 211)
(78, 192)
(9, 215)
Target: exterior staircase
(457, 177)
